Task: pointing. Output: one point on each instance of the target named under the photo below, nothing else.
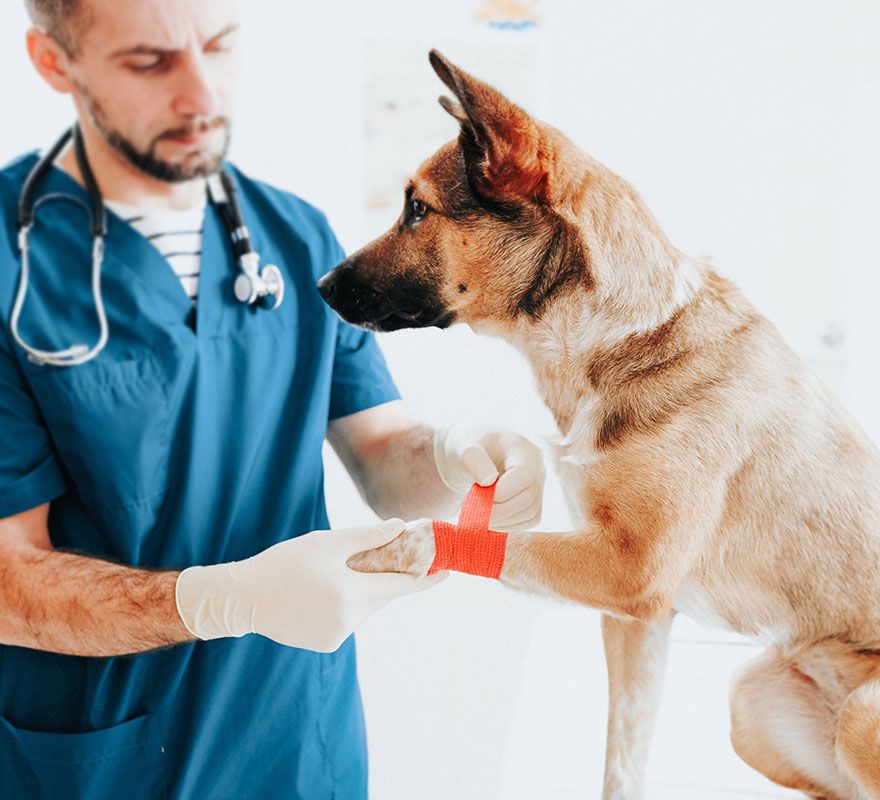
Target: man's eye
(220, 47)
(147, 66)
(417, 210)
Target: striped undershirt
(176, 234)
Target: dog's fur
(712, 475)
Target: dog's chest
(576, 456)
(722, 611)
(695, 602)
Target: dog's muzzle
(361, 304)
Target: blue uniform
(193, 438)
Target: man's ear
(505, 154)
(49, 59)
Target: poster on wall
(510, 14)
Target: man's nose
(196, 96)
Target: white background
(751, 130)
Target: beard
(195, 165)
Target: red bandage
(470, 546)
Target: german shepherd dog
(711, 474)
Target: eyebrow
(425, 190)
(151, 50)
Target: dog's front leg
(622, 577)
(413, 552)
(635, 652)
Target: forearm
(78, 605)
(401, 478)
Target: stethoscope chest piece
(254, 284)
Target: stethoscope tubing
(251, 285)
(77, 353)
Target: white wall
(750, 128)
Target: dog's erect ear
(503, 149)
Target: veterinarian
(186, 434)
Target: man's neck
(121, 181)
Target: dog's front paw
(411, 552)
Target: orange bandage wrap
(470, 546)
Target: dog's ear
(503, 148)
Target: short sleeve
(30, 473)
(361, 378)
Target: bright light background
(751, 130)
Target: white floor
(484, 694)
(691, 756)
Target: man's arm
(73, 604)
(413, 471)
(391, 461)
(67, 603)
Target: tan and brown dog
(711, 473)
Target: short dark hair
(57, 18)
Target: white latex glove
(467, 454)
(298, 592)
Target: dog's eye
(417, 210)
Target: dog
(710, 472)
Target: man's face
(157, 78)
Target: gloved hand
(469, 454)
(298, 592)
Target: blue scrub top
(193, 438)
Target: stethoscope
(251, 285)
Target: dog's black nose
(327, 285)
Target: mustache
(201, 126)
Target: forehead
(444, 165)
(441, 180)
(166, 24)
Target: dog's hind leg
(635, 652)
(858, 737)
(783, 724)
